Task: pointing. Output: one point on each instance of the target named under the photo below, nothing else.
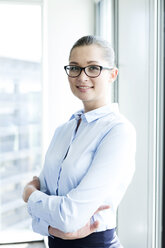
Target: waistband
(96, 239)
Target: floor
(25, 245)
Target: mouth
(84, 87)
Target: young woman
(90, 161)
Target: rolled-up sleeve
(108, 176)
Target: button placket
(78, 117)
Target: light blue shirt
(84, 170)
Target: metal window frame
(103, 9)
(159, 123)
(155, 130)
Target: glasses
(92, 71)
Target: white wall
(65, 21)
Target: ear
(113, 75)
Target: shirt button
(78, 117)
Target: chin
(82, 97)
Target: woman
(90, 161)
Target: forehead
(83, 54)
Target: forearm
(60, 212)
(82, 232)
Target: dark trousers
(105, 239)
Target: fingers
(94, 226)
(35, 178)
(58, 233)
(104, 207)
(55, 232)
(35, 182)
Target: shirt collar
(96, 113)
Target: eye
(73, 68)
(93, 68)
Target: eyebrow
(88, 62)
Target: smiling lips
(84, 88)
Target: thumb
(101, 208)
(94, 226)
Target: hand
(82, 232)
(30, 188)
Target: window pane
(20, 114)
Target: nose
(83, 76)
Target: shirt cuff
(40, 226)
(35, 198)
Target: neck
(90, 106)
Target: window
(20, 113)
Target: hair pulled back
(108, 51)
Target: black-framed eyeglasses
(92, 71)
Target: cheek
(101, 84)
(72, 84)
